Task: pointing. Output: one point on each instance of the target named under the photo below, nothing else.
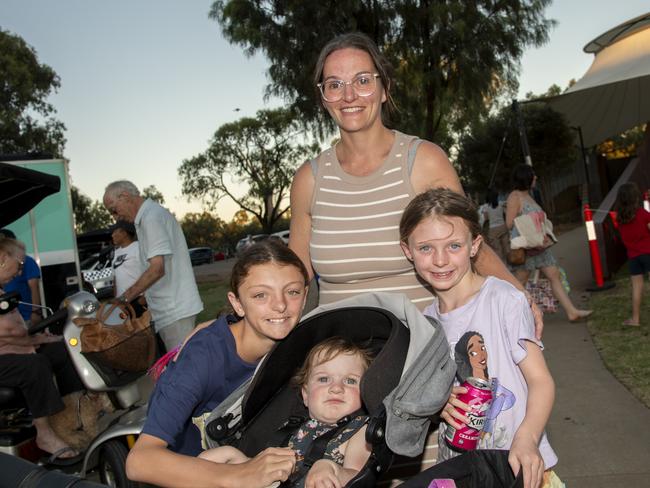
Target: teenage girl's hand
(323, 474)
(525, 455)
(272, 464)
(452, 416)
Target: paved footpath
(600, 432)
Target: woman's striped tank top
(355, 228)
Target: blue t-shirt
(21, 284)
(207, 370)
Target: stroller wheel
(112, 465)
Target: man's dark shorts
(640, 265)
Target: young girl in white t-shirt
(490, 330)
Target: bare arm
(13, 332)
(356, 455)
(153, 273)
(432, 169)
(302, 190)
(524, 452)
(150, 461)
(37, 315)
(328, 473)
(513, 207)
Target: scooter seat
(11, 397)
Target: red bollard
(595, 253)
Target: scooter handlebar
(56, 318)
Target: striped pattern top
(354, 243)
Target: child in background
(329, 382)
(498, 233)
(439, 233)
(634, 227)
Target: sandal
(630, 323)
(583, 315)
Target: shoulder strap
(314, 166)
(413, 148)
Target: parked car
(248, 241)
(283, 234)
(201, 255)
(219, 255)
(97, 273)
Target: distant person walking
(521, 202)
(498, 234)
(127, 265)
(634, 227)
(26, 283)
(168, 280)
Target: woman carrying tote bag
(519, 203)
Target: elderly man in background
(168, 280)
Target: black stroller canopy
(373, 327)
(21, 189)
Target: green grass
(625, 350)
(214, 298)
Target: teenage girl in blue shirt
(268, 290)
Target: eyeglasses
(364, 85)
(21, 263)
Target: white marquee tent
(614, 94)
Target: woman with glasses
(346, 204)
(30, 364)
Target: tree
(260, 152)
(451, 59)
(152, 192)
(203, 229)
(550, 140)
(26, 122)
(88, 214)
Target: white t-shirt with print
(501, 315)
(127, 267)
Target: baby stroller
(407, 383)
(474, 469)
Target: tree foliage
(260, 153)
(27, 124)
(551, 142)
(88, 214)
(451, 58)
(203, 229)
(154, 193)
(206, 229)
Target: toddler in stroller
(405, 385)
(330, 446)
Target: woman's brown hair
(359, 40)
(628, 201)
